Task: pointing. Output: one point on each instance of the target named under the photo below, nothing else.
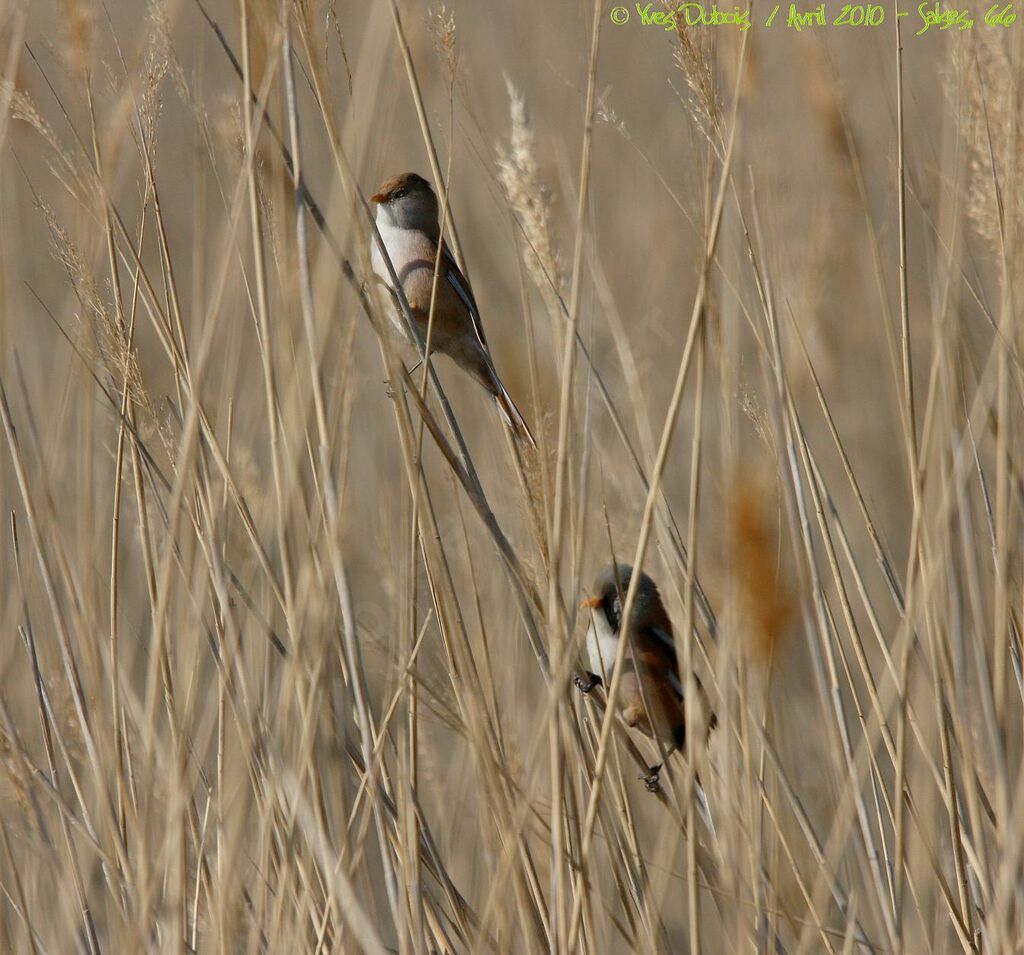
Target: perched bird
(407, 217)
(650, 691)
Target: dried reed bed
(289, 625)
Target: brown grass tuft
(765, 598)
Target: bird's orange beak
(590, 603)
(378, 197)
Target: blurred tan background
(813, 190)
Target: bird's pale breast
(414, 255)
(602, 645)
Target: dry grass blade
(289, 630)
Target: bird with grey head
(445, 311)
(651, 691)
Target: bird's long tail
(512, 417)
(704, 808)
(479, 365)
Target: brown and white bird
(408, 220)
(650, 691)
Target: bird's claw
(585, 682)
(652, 779)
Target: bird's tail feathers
(512, 417)
(704, 808)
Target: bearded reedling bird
(407, 217)
(650, 691)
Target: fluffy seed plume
(976, 84)
(529, 197)
(442, 29)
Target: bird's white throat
(401, 247)
(602, 644)
(396, 241)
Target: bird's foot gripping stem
(652, 779)
(586, 681)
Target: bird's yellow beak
(590, 603)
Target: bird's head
(407, 201)
(609, 595)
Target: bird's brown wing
(659, 650)
(464, 290)
(658, 702)
(458, 283)
(661, 642)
